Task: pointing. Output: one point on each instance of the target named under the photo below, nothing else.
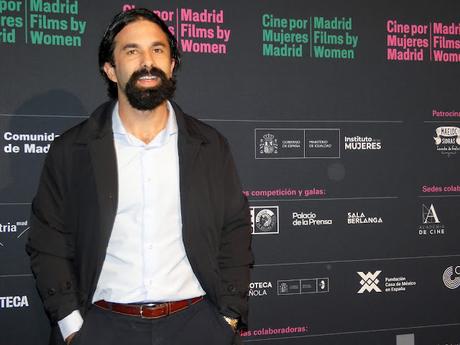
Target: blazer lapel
(104, 163)
(98, 138)
(188, 151)
(188, 146)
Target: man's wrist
(70, 324)
(69, 339)
(232, 322)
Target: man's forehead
(142, 29)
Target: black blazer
(75, 206)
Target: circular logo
(451, 279)
(265, 220)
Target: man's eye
(158, 50)
(131, 52)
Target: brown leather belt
(148, 311)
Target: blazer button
(51, 291)
(231, 288)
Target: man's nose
(148, 59)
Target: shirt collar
(161, 138)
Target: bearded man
(140, 233)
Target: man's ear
(173, 64)
(109, 70)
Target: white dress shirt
(145, 259)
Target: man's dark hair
(118, 23)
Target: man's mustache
(148, 72)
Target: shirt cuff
(70, 324)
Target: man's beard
(149, 98)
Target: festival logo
(308, 37)
(198, 31)
(42, 23)
(433, 41)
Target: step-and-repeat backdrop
(344, 120)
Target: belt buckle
(149, 305)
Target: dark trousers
(198, 324)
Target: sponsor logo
(265, 219)
(12, 230)
(447, 140)
(397, 284)
(322, 143)
(431, 225)
(354, 218)
(371, 283)
(302, 286)
(279, 143)
(297, 143)
(268, 144)
(405, 339)
(27, 142)
(429, 215)
(451, 277)
(358, 143)
(323, 285)
(258, 289)
(7, 302)
(308, 219)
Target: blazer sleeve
(50, 242)
(235, 255)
